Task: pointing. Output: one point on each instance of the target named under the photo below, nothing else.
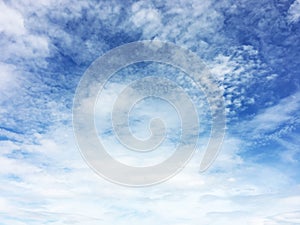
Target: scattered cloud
(248, 46)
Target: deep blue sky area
(252, 48)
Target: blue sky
(251, 47)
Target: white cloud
(59, 187)
(45, 180)
(147, 18)
(8, 77)
(290, 149)
(236, 74)
(11, 21)
(19, 42)
(294, 12)
(272, 118)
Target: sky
(251, 48)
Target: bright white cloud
(11, 21)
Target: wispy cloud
(293, 13)
(274, 121)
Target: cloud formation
(251, 47)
